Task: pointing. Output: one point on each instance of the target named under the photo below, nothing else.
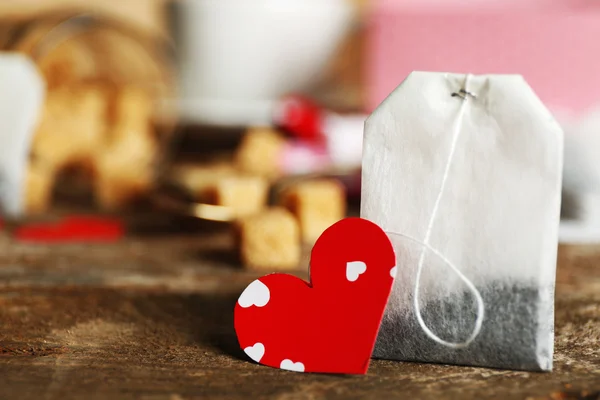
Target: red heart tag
(330, 324)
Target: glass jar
(108, 119)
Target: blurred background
(249, 113)
(157, 156)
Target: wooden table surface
(151, 318)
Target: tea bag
(464, 174)
(22, 91)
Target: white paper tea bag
(464, 174)
(22, 91)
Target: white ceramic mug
(238, 56)
(581, 183)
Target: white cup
(239, 56)
(589, 208)
(581, 183)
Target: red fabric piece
(330, 324)
(71, 230)
(300, 117)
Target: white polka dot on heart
(256, 294)
(354, 269)
(255, 352)
(292, 366)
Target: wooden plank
(151, 318)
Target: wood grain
(151, 318)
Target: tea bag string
(464, 95)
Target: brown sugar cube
(317, 204)
(125, 170)
(72, 126)
(202, 180)
(260, 152)
(39, 184)
(132, 109)
(269, 240)
(244, 195)
(70, 62)
(126, 165)
(64, 63)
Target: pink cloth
(554, 44)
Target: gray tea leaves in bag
(464, 174)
